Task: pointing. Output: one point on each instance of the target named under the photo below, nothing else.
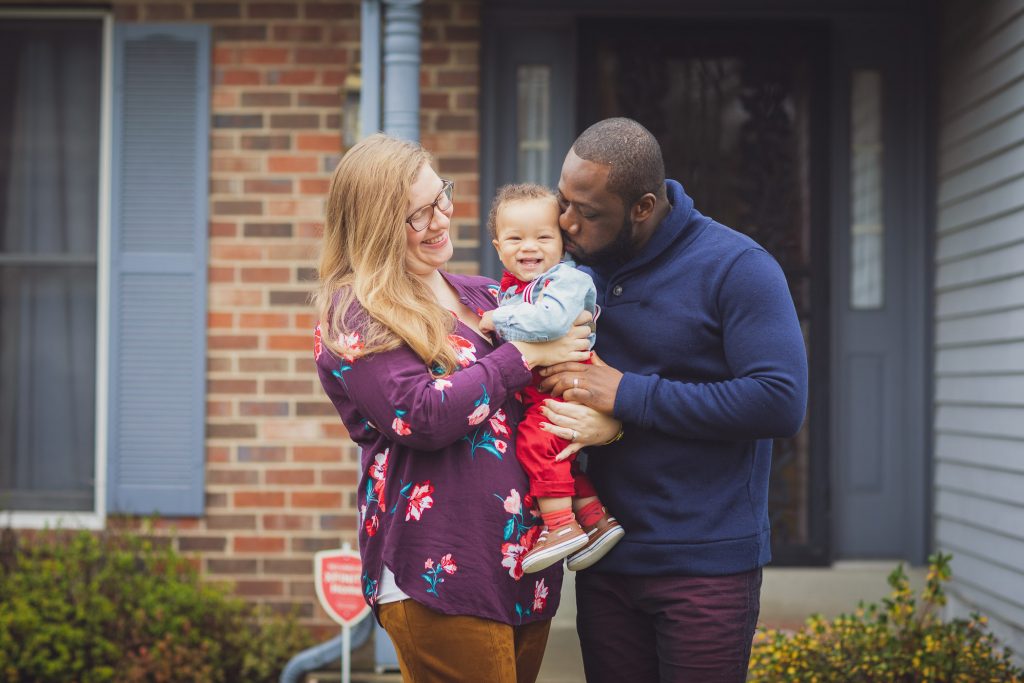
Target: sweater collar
(682, 224)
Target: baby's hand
(487, 322)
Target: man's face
(595, 224)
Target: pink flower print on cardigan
(465, 352)
(540, 596)
(399, 426)
(435, 572)
(519, 534)
(540, 601)
(378, 472)
(482, 437)
(420, 500)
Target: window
(103, 224)
(867, 225)
(50, 141)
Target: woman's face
(428, 249)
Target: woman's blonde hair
(363, 258)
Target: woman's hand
(580, 425)
(574, 346)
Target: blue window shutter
(157, 410)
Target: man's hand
(593, 385)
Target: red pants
(536, 451)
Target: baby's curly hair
(515, 192)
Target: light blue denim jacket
(547, 307)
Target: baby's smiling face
(528, 239)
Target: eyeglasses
(421, 217)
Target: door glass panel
(734, 111)
(533, 123)
(867, 227)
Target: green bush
(900, 641)
(90, 607)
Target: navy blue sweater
(703, 326)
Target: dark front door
(740, 115)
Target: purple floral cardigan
(442, 500)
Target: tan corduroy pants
(440, 648)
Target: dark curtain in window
(50, 90)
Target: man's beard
(615, 253)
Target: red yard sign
(339, 585)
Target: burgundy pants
(536, 451)
(667, 629)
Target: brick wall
(281, 472)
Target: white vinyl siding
(979, 312)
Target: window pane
(49, 193)
(533, 124)
(867, 227)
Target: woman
(443, 503)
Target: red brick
(324, 100)
(164, 11)
(288, 386)
(231, 386)
(290, 476)
(330, 10)
(216, 454)
(262, 454)
(230, 431)
(236, 77)
(235, 252)
(283, 342)
(268, 186)
(316, 499)
(201, 543)
(334, 477)
(263, 142)
(220, 163)
(219, 409)
(337, 522)
(232, 341)
(265, 275)
(262, 364)
(298, 33)
(273, 10)
(234, 297)
(321, 55)
(221, 274)
(456, 78)
(260, 98)
(317, 142)
(257, 320)
(275, 566)
(258, 544)
(232, 566)
(312, 545)
(238, 208)
(292, 164)
(232, 477)
(288, 522)
(264, 55)
(317, 453)
(290, 77)
(259, 499)
(262, 408)
(220, 320)
(259, 588)
(230, 522)
(315, 186)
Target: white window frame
(96, 519)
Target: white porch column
(402, 68)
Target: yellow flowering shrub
(903, 640)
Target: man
(705, 366)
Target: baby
(540, 297)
